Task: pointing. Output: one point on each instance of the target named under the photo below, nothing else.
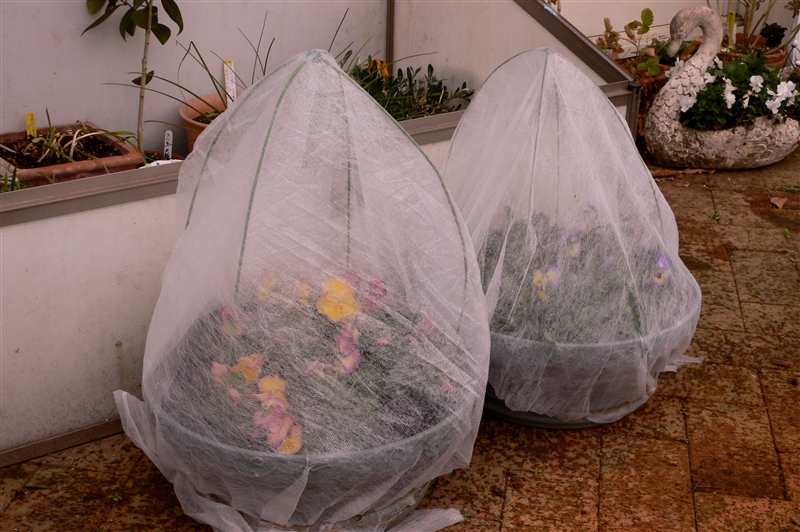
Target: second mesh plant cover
(587, 298)
(319, 351)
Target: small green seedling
(115, 497)
(714, 215)
(790, 188)
(785, 232)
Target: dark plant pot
(128, 160)
(334, 480)
(517, 365)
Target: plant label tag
(30, 124)
(168, 144)
(731, 28)
(230, 79)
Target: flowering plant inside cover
(587, 298)
(319, 351)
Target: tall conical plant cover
(587, 298)
(319, 351)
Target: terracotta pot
(128, 160)
(190, 110)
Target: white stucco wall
(78, 292)
(45, 63)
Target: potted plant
(326, 391)
(713, 115)
(66, 152)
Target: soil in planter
(27, 153)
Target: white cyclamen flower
(730, 98)
(678, 66)
(717, 62)
(774, 105)
(746, 100)
(756, 82)
(709, 78)
(786, 89)
(687, 102)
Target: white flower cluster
(786, 91)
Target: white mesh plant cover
(319, 350)
(586, 295)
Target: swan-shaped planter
(672, 144)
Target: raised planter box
(128, 159)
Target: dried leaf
(663, 172)
(778, 203)
(698, 171)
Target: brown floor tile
(747, 194)
(765, 277)
(148, 503)
(732, 451)
(59, 500)
(660, 418)
(782, 395)
(474, 524)
(721, 312)
(713, 382)
(724, 513)
(783, 173)
(565, 453)
(12, 480)
(712, 270)
(732, 237)
(688, 201)
(476, 491)
(790, 465)
(645, 485)
(501, 443)
(539, 502)
(742, 349)
(116, 454)
(771, 319)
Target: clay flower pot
(189, 113)
(128, 159)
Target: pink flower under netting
(319, 350)
(587, 298)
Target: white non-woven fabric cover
(587, 297)
(319, 350)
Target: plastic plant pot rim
(496, 408)
(327, 457)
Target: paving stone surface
(715, 449)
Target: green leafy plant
(790, 188)
(142, 14)
(405, 96)
(736, 94)
(10, 182)
(635, 31)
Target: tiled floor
(716, 449)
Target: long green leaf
(147, 78)
(162, 33)
(126, 25)
(173, 13)
(95, 6)
(109, 11)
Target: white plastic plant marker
(319, 350)
(230, 80)
(168, 144)
(587, 298)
